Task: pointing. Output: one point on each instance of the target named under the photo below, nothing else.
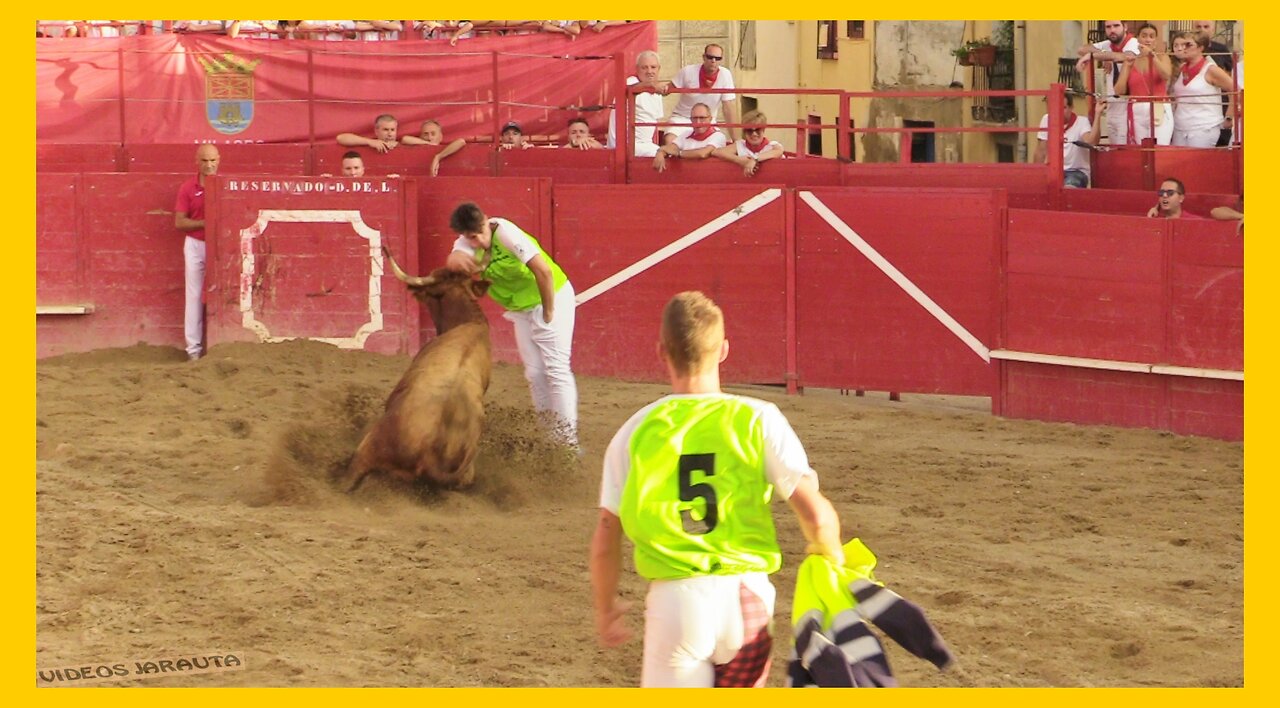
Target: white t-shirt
(687, 142)
(509, 235)
(690, 77)
(744, 151)
(1074, 157)
(648, 110)
(785, 461)
(1129, 47)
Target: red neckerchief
(1120, 47)
(703, 131)
(708, 78)
(1189, 71)
(1070, 122)
(763, 144)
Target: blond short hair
(755, 118)
(692, 332)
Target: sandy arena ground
(182, 509)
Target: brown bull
(430, 428)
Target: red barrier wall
(1203, 170)
(288, 159)
(1206, 296)
(1129, 293)
(1084, 285)
(112, 246)
(1016, 179)
(793, 172)
(564, 165)
(61, 259)
(810, 309)
(857, 328)
(291, 252)
(601, 231)
(85, 157)
(1183, 405)
(1135, 202)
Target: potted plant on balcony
(976, 52)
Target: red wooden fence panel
(236, 159)
(859, 328)
(603, 231)
(298, 259)
(1085, 285)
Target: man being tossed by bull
(539, 301)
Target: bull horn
(412, 280)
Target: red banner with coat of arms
(185, 88)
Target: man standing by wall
(1111, 52)
(188, 217)
(707, 75)
(648, 103)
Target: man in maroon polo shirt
(188, 217)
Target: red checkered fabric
(750, 666)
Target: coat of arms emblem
(228, 92)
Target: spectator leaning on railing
(1197, 90)
(384, 138)
(1112, 53)
(648, 104)
(753, 148)
(433, 134)
(698, 145)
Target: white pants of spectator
(1117, 121)
(1142, 122)
(545, 350)
(646, 148)
(193, 251)
(1202, 138)
(691, 624)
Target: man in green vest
(689, 478)
(539, 301)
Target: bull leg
(360, 467)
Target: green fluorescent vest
(686, 454)
(512, 284)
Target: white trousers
(1202, 138)
(193, 250)
(545, 350)
(1117, 121)
(692, 624)
(1142, 122)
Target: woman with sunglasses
(1197, 90)
(1146, 81)
(753, 148)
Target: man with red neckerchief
(709, 74)
(698, 145)
(1076, 129)
(1111, 52)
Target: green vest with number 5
(696, 499)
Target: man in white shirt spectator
(648, 104)
(709, 74)
(697, 145)
(1111, 52)
(1076, 129)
